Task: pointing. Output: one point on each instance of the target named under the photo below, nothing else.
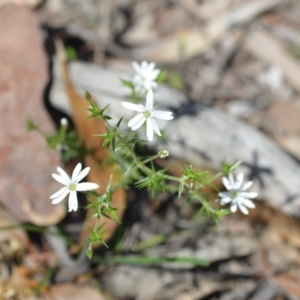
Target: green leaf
(161, 77)
(89, 252)
(88, 96)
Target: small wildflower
(163, 153)
(236, 194)
(63, 122)
(147, 113)
(72, 185)
(144, 79)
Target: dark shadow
(189, 107)
(256, 171)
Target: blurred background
(232, 65)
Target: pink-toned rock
(25, 163)
(285, 116)
(75, 292)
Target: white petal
(162, 115)
(82, 174)
(131, 106)
(239, 181)
(151, 66)
(226, 183)
(248, 203)
(138, 122)
(86, 186)
(155, 73)
(233, 206)
(155, 127)
(153, 85)
(243, 209)
(225, 200)
(149, 130)
(58, 193)
(225, 194)
(61, 197)
(136, 66)
(63, 174)
(247, 185)
(76, 172)
(250, 195)
(73, 203)
(144, 64)
(231, 180)
(60, 179)
(149, 100)
(147, 85)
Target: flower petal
(144, 65)
(243, 209)
(135, 107)
(248, 203)
(225, 194)
(226, 183)
(76, 172)
(149, 100)
(239, 181)
(150, 67)
(231, 180)
(233, 206)
(147, 85)
(162, 115)
(61, 197)
(136, 66)
(58, 193)
(63, 174)
(82, 174)
(86, 186)
(73, 203)
(250, 195)
(60, 179)
(137, 119)
(246, 185)
(155, 127)
(149, 130)
(225, 200)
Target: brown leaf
(25, 163)
(286, 227)
(98, 174)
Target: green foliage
(133, 169)
(64, 140)
(71, 53)
(228, 168)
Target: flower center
(72, 186)
(234, 193)
(147, 114)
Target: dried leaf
(98, 174)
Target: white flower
(236, 194)
(71, 186)
(64, 122)
(144, 79)
(147, 113)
